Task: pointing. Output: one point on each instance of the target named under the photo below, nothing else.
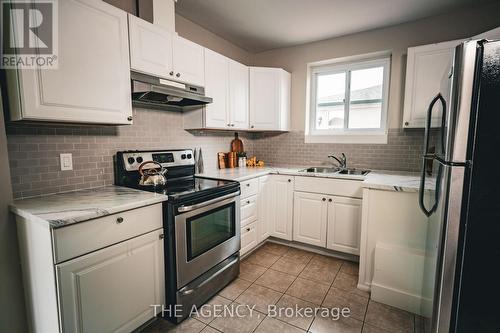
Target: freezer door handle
(440, 98)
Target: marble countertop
(382, 180)
(63, 209)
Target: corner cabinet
(92, 81)
(428, 72)
(269, 99)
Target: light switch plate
(66, 161)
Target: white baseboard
(397, 298)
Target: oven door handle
(183, 209)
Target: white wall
(464, 23)
(12, 310)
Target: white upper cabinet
(226, 82)
(269, 99)
(150, 48)
(156, 51)
(92, 82)
(216, 87)
(428, 70)
(238, 95)
(188, 61)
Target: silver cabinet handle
(183, 209)
(119, 220)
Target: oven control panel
(167, 158)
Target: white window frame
(347, 135)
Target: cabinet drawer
(248, 238)
(249, 211)
(340, 187)
(75, 240)
(249, 187)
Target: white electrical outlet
(66, 161)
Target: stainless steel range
(201, 221)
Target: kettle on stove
(152, 176)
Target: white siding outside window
(348, 101)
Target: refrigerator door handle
(427, 156)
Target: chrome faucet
(342, 160)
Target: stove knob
(189, 156)
(131, 160)
(183, 156)
(139, 159)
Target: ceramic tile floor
(288, 277)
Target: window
(348, 101)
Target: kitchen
(86, 249)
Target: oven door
(205, 234)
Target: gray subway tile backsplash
(34, 150)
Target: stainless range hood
(153, 92)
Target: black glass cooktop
(190, 188)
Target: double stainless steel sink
(337, 171)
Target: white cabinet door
(150, 48)
(188, 58)
(310, 212)
(344, 224)
(238, 95)
(92, 82)
(427, 72)
(282, 206)
(264, 200)
(217, 87)
(112, 290)
(264, 98)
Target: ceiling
(259, 25)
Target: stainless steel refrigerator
(460, 283)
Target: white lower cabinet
(112, 290)
(264, 208)
(249, 237)
(344, 224)
(327, 220)
(310, 212)
(281, 206)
